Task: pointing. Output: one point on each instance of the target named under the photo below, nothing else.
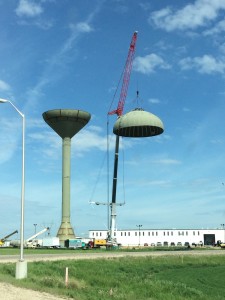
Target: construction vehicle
(95, 243)
(31, 242)
(2, 241)
(119, 112)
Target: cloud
(167, 161)
(4, 86)
(88, 140)
(149, 63)
(59, 58)
(28, 9)
(190, 16)
(154, 101)
(219, 27)
(206, 64)
(81, 27)
(186, 109)
(9, 136)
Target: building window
(186, 232)
(128, 233)
(152, 233)
(96, 233)
(148, 233)
(114, 233)
(198, 233)
(125, 233)
(164, 233)
(193, 232)
(121, 234)
(178, 232)
(168, 233)
(135, 233)
(172, 233)
(100, 234)
(156, 233)
(143, 233)
(93, 234)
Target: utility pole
(223, 227)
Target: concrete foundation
(21, 269)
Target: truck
(75, 244)
(50, 242)
(31, 242)
(97, 243)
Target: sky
(70, 55)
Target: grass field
(166, 277)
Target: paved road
(107, 254)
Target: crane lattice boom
(126, 77)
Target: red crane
(119, 111)
(126, 77)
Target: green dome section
(138, 123)
(66, 122)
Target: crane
(126, 77)
(119, 111)
(2, 240)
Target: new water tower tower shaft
(66, 123)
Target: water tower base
(65, 232)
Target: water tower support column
(65, 227)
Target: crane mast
(119, 111)
(126, 77)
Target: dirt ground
(10, 292)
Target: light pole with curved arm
(139, 231)
(21, 267)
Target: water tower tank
(138, 123)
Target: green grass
(166, 278)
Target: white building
(132, 237)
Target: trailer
(50, 242)
(75, 244)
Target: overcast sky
(70, 54)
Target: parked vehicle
(74, 244)
(50, 242)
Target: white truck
(31, 242)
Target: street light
(21, 266)
(139, 228)
(35, 225)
